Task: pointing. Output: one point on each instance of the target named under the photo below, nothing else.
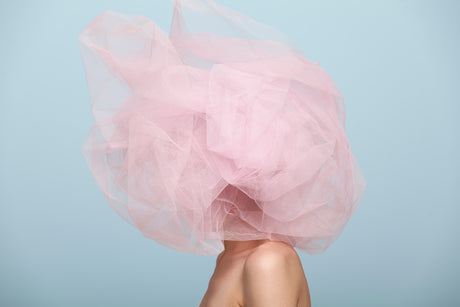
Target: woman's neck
(235, 247)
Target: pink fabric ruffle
(219, 130)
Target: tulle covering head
(219, 130)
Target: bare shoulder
(272, 254)
(273, 276)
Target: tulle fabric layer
(220, 130)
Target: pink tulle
(221, 130)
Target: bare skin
(257, 273)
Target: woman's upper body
(257, 273)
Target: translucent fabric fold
(220, 130)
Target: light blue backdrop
(396, 63)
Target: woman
(220, 138)
(257, 273)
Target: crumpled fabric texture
(220, 130)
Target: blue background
(395, 62)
